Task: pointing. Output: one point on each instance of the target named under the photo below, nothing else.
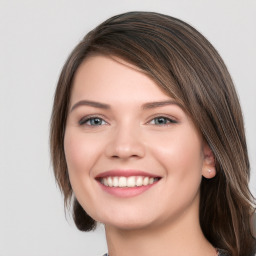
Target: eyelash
(84, 120)
(168, 120)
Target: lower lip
(126, 191)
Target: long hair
(186, 66)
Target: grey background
(35, 39)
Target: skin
(129, 136)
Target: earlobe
(209, 172)
(208, 169)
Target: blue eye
(92, 121)
(161, 120)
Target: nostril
(125, 143)
(125, 151)
(123, 156)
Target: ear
(208, 168)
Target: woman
(147, 137)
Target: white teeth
(146, 181)
(122, 182)
(105, 182)
(132, 181)
(151, 180)
(139, 181)
(115, 181)
(110, 182)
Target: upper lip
(125, 173)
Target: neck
(180, 237)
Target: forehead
(103, 76)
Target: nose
(125, 143)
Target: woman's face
(134, 157)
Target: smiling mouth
(128, 182)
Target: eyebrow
(91, 104)
(160, 104)
(148, 105)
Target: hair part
(186, 66)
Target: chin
(128, 226)
(126, 222)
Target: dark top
(220, 253)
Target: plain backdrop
(36, 37)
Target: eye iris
(160, 120)
(95, 121)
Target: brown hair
(184, 64)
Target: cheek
(182, 147)
(80, 151)
(182, 158)
(81, 154)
